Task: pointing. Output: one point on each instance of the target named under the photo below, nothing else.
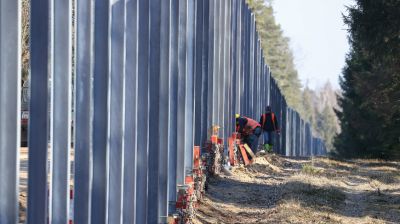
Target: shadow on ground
(383, 205)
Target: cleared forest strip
(283, 190)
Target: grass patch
(326, 198)
(331, 195)
(310, 169)
(384, 177)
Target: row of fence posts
(147, 79)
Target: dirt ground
(275, 189)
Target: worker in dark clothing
(269, 125)
(249, 129)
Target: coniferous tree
(328, 128)
(370, 116)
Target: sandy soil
(284, 190)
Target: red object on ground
(214, 139)
(197, 158)
(244, 155)
(231, 142)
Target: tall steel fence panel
(142, 112)
(210, 62)
(130, 114)
(243, 51)
(10, 113)
(173, 109)
(147, 81)
(189, 103)
(154, 111)
(182, 81)
(83, 114)
(163, 115)
(221, 64)
(60, 110)
(235, 66)
(38, 111)
(100, 122)
(215, 58)
(198, 71)
(205, 91)
(116, 110)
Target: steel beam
(131, 107)
(10, 114)
(173, 108)
(143, 112)
(61, 110)
(38, 111)
(181, 104)
(198, 73)
(163, 114)
(205, 76)
(101, 73)
(211, 50)
(116, 83)
(83, 111)
(189, 86)
(154, 104)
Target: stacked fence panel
(150, 78)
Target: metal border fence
(148, 79)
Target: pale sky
(318, 37)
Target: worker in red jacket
(249, 129)
(269, 125)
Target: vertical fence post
(163, 115)
(204, 64)
(61, 110)
(181, 103)
(241, 46)
(83, 110)
(215, 58)
(10, 113)
(189, 88)
(217, 62)
(116, 110)
(221, 65)
(101, 72)
(143, 110)
(210, 72)
(154, 95)
(38, 111)
(198, 74)
(227, 74)
(235, 56)
(131, 107)
(173, 107)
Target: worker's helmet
(237, 116)
(268, 108)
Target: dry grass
(287, 190)
(310, 169)
(275, 189)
